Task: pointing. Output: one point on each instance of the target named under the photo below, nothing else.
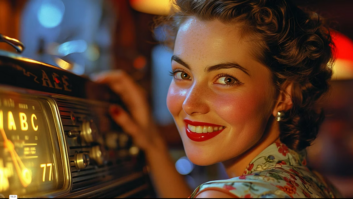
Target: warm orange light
(63, 64)
(343, 65)
(1, 119)
(140, 62)
(157, 7)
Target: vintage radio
(57, 138)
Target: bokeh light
(184, 166)
(51, 13)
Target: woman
(247, 76)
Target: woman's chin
(201, 159)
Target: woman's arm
(139, 124)
(168, 182)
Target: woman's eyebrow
(213, 68)
(226, 66)
(177, 59)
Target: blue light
(75, 46)
(184, 166)
(51, 13)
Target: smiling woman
(247, 76)
(218, 91)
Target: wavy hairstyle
(295, 45)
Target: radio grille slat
(73, 113)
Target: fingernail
(115, 110)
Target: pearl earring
(280, 115)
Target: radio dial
(89, 132)
(97, 153)
(82, 160)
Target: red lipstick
(200, 137)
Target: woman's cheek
(237, 108)
(175, 99)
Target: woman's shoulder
(245, 186)
(277, 172)
(281, 182)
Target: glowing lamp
(343, 65)
(156, 7)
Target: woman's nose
(195, 101)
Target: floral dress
(277, 172)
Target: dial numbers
(44, 166)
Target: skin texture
(245, 105)
(243, 108)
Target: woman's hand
(140, 125)
(139, 122)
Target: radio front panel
(97, 148)
(58, 139)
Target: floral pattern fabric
(277, 172)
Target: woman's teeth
(203, 129)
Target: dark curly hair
(295, 45)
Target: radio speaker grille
(121, 169)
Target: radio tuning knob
(82, 160)
(97, 153)
(89, 132)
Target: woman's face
(221, 97)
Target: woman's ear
(284, 100)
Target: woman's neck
(236, 166)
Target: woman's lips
(200, 131)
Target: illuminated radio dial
(98, 154)
(89, 132)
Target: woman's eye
(226, 80)
(181, 75)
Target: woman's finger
(141, 137)
(131, 94)
(122, 118)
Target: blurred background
(91, 36)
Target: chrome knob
(89, 132)
(97, 153)
(82, 160)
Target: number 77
(44, 166)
